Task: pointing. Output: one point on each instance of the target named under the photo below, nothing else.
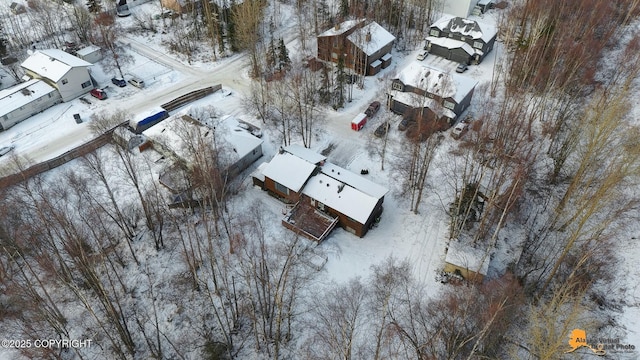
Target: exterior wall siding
(270, 186)
(73, 88)
(34, 107)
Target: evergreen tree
(231, 28)
(340, 82)
(271, 55)
(3, 43)
(94, 6)
(283, 55)
(344, 8)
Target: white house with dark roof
(461, 40)
(325, 194)
(418, 86)
(21, 101)
(65, 72)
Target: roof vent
(340, 187)
(327, 184)
(368, 36)
(338, 26)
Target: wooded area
(551, 156)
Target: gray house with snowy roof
(446, 94)
(63, 71)
(24, 100)
(365, 48)
(460, 40)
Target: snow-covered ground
(421, 238)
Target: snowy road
(44, 142)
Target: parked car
(382, 129)
(372, 109)
(136, 82)
(98, 93)
(405, 123)
(462, 67)
(460, 129)
(119, 82)
(77, 118)
(6, 149)
(123, 10)
(422, 55)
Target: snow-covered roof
(176, 133)
(241, 141)
(453, 44)
(379, 38)
(466, 27)
(416, 101)
(20, 95)
(341, 28)
(356, 120)
(467, 257)
(258, 173)
(304, 153)
(335, 194)
(53, 64)
(289, 170)
(437, 81)
(87, 50)
(354, 180)
(386, 57)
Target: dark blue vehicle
(119, 82)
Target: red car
(98, 93)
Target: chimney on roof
(368, 36)
(338, 26)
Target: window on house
(434, 32)
(451, 35)
(64, 81)
(477, 44)
(253, 152)
(281, 188)
(449, 105)
(86, 84)
(335, 42)
(397, 86)
(334, 55)
(49, 95)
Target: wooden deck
(310, 222)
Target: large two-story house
(365, 48)
(418, 86)
(461, 40)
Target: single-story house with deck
(325, 194)
(65, 72)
